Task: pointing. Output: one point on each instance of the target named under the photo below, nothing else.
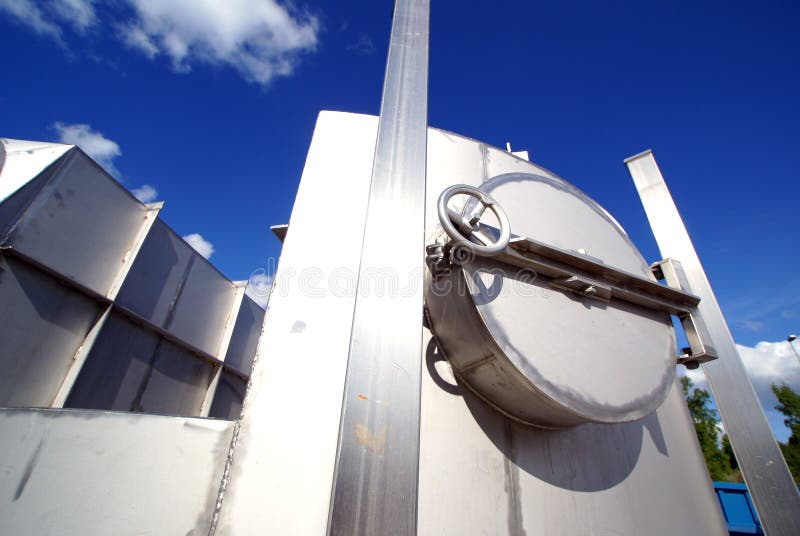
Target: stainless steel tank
(533, 348)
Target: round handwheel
(468, 222)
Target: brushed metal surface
(42, 326)
(78, 249)
(16, 203)
(228, 397)
(282, 470)
(479, 472)
(156, 275)
(79, 359)
(131, 368)
(82, 224)
(771, 486)
(244, 339)
(21, 161)
(550, 357)
(203, 307)
(375, 482)
(482, 473)
(74, 473)
(83, 352)
(225, 342)
(174, 287)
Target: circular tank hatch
(549, 357)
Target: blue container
(737, 508)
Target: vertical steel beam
(375, 480)
(764, 470)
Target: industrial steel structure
(474, 347)
(109, 320)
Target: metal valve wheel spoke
(466, 225)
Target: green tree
(728, 449)
(735, 475)
(705, 419)
(789, 405)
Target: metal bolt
(590, 291)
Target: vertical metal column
(764, 470)
(375, 479)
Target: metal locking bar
(574, 272)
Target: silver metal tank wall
(479, 472)
(483, 473)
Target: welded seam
(223, 485)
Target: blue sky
(213, 107)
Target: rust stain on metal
(362, 397)
(373, 442)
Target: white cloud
(259, 38)
(259, 286)
(44, 17)
(363, 47)
(101, 149)
(30, 14)
(200, 244)
(766, 363)
(79, 13)
(753, 325)
(135, 37)
(145, 193)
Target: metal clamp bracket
(576, 272)
(699, 350)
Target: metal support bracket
(592, 279)
(699, 350)
(768, 479)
